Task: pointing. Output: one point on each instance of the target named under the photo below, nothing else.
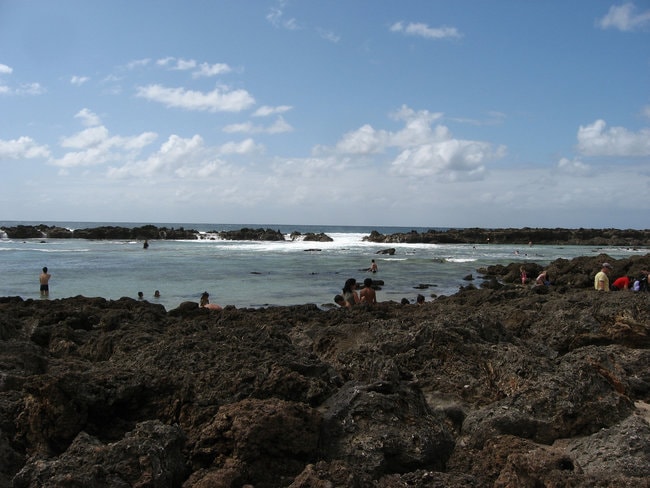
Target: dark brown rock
(506, 386)
(520, 236)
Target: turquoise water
(253, 274)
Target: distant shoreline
(483, 236)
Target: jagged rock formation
(515, 386)
(521, 237)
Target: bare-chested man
(367, 294)
(44, 280)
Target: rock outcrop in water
(520, 237)
(508, 387)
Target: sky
(423, 113)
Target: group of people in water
(349, 296)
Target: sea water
(254, 274)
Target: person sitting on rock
(205, 302)
(350, 292)
(340, 301)
(419, 300)
(367, 294)
(543, 279)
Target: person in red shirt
(622, 283)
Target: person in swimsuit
(44, 280)
(205, 302)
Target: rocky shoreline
(499, 385)
(521, 237)
(586, 237)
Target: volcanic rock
(489, 387)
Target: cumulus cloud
(22, 148)
(138, 63)
(598, 140)
(209, 70)
(453, 159)
(364, 140)
(79, 80)
(199, 70)
(24, 89)
(423, 30)
(574, 167)
(625, 18)
(265, 110)
(422, 150)
(177, 156)
(218, 100)
(95, 146)
(247, 146)
(88, 118)
(279, 126)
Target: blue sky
(450, 113)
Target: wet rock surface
(520, 236)
(504, 386)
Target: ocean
(254, 274)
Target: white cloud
(177, 157)
(423, 30)
(5, 70)
(29, 89)
(218, 100)
(423, 150)
(279, 126)
(138, 63)
(247, 146)
(265, 110)
(209, 70)
(95, 146)
(199, 70)
(453, 159)
(574, 167)
(365, 140)
(79, 80)
(597, 140)
(88, 118)
(625, 18)
(329, 35)
(22, 148)
(277, 19)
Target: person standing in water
(44, 280)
